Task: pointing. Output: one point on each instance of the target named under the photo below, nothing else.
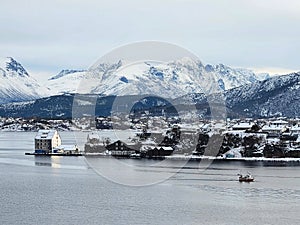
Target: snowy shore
(193, 157)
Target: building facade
(46, 141)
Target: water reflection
(60, 162)
(48, 161)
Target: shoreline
(211, 158)
(54, 154)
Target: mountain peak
(65, 72)
(16, 84)
(10, 67)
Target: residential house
(159, 151)
(119, 148)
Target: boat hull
(246, 179)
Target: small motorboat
(246, 178)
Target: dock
(53, 154)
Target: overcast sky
(47, 36)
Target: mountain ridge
(174, 78)
(274, 97)
(245, 93)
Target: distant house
(242, 126)
(94, 144)
(159, 151)
(119, 148)
(103, 123)
(46, 141)
(279, 123)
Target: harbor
(49, 143)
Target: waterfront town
(163, 137)
(272, 138)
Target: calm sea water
(66, 190)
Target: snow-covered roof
(148, 142)
(244, 125)
(166, 148)
(93, 136)
(45, 134)
(272, 127)
(67, 147)
(125, 136)
(219, 125)
(273, 140)
(279, 122)
(295, 128)
(206, 126)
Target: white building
(66, 149)
(46, 141)
(278, 126)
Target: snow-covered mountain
(173, 79)
(273, 97)
(16, 84)
(79, 81)
(277, 96)
(168, 80)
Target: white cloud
(65, 34)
